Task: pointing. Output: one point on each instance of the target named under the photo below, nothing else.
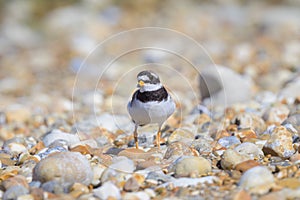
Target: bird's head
(148, 81)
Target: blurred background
(44, 43)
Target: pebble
(181, 135)
(276, 114)
(203, 145)
(250, 150)
(131, 185)
(190, 166)
(14, 192)
(231, 158)
(107, 190)
(229, 141)
(280, 143)
(250, 121)
(257, 180)
(294, 120)
(65, 167)
(16, 180)
(56, 135)
(246, 165)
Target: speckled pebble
(65, 167)
(280, 143)
(190, 166)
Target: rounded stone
(257, 180)
(250, 120)
(65, 168)
(249, 149)
(14, 192)
(231, 158)
(190, 165)
(181, 135)
(276, 115)
(56, 135)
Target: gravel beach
(68, 70)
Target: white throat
(150, 87)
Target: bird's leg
(158, 137)
(136, 137)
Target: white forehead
(144, 78)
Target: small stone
(83, 149)
(231, 158)
(229, 141)
(181, 135)
(246, 165)
(178, 149)
(294, 120)
(15, 148)
(190, 165)
(246, 134)
(14, 192)
(56, 134)
(65, 167)
(131, 185)
(16, 180)
(55, 187)
(250, 150)
(107, 190)
(97, 171)
(203, 145)
(257, 180)
(276, 114)
(78, 189)
(250, 121)
(280, 143)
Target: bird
(150, 104)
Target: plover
(150, 104)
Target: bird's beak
(141, 84)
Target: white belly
(151, 112)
